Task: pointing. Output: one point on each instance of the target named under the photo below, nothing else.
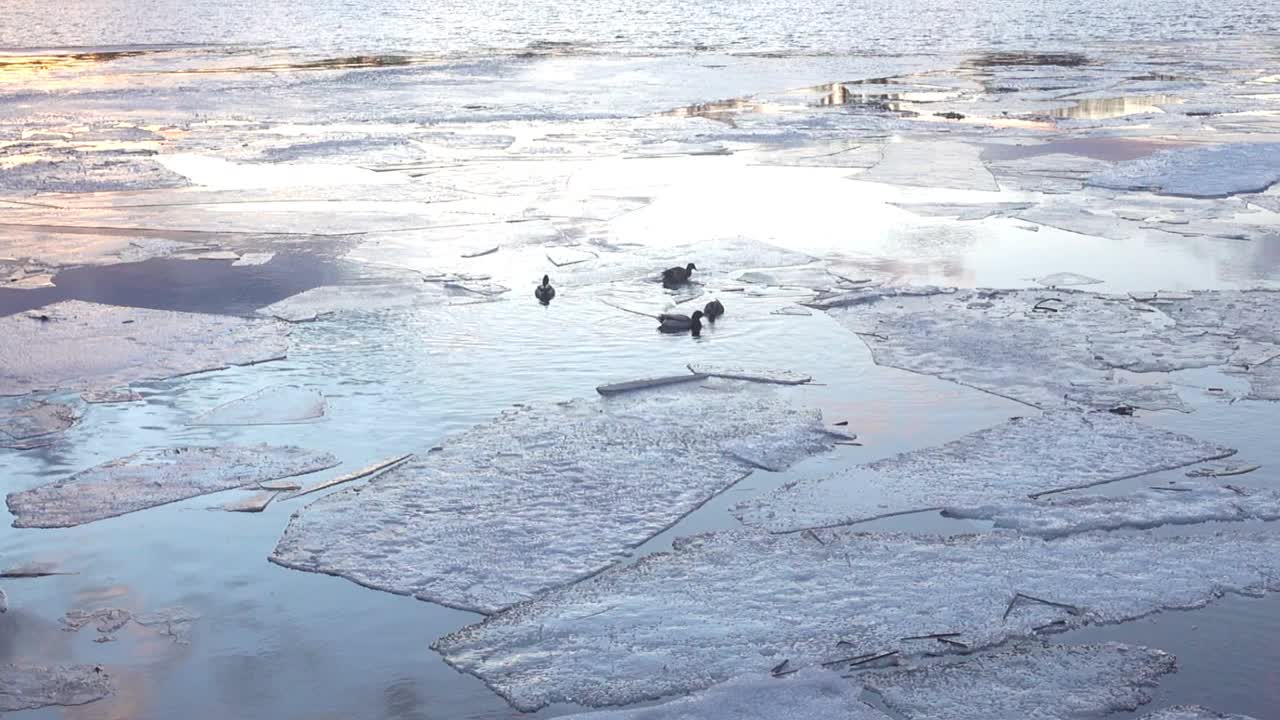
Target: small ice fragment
(562, 256)
(106, 620)
(810, 694)
(373, 469)
(1222, 470)
(1191, 712)
(762, 375)
(255, 503)
(1203, 172)
(1064, 279)
(1047, 682)
(34, 419)
(33, 570)
(1006, 463)
(792, 310)
(4, 601)
(647, 383)
(329, 299)
(26, 687)
(277, 405)
(941, 164)
(280, 485)
(480, 252)
(156, 477)
(128, 345)
(112, 395)
(253, 258)
(173, 621)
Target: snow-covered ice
(1208, 172)
(25, 687)
(724, 604)
(548, 495)
(810, 694)
(276, 405)
(1001, 465)
(1026, 682)
(156, 477)
(91, 346)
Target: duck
(676, 276)
(713, 310)
(545, 292)
(676, 323)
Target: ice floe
(1004, 464)
(1214, 171)
(1064, 279)
(106, 620)
(729, 603)
(156, 477)
(1191, 712)
(1045, 682)
(176, 622)
(1054, 516)
(329, 299)
(806, 695)
(86, 346)
(545, 496)
(34, 423)
(277, 405)
(941, 164)
(26, 687)
(110, 395)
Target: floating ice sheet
(1249, 314)
(1190, 712)
(1045, 682)
(1264, 381)
(156, 477)
(729, 603)
(34, 421)
(330, 299)
(1215, 171)
(26, 687)
(1040, 347)
(86, 346)
(175, 622)
(1004, 464)
(541, 497)
(1064, 279)
(1170, 505)
(278, 405)
(940, 164)
(760, 375)
(807, 695)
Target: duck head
(546, 280)
(690, 267)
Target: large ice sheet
(943, 164)
(545, 496)
(90, 346)
(728, 603)
(25, 687)
(1215, 171)
(1047, 348)
(1055, 516)
(807, 695)
(156, 477)
(1001, 465)
(1040, 682)
(1191, 712)
(277, 405)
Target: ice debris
(810, 694)
(156, 477)
(34, 423)
(106, 620)
(276, 405)
(1191, 712)
(728, 603)
(1168, 505)
(255, 503)
(1044, 682)
(111, 395)
(175, 622)
(1206, 172)
(1005, 464)
(87, 345)
(647, 383)
(545, 496)
(760, 375)
(1064, 279)
(366, 471)
(26, 687)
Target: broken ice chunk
(1264, 381)
(1063, 279)
(175, 622)
(156, 477)
(38, 421)
(810, 694)
(86, 345)
(1006, 463)
(330, 299)
(1191, 712)
(545, 496)
(113, 395)
(789, 596)
(761, 375)
(1047, 682)
(25, 687)
(1205, 172)
(277, 405)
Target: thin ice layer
(1046, 348)
(25, 687)
(26, 420)
(1002, 465)
(330, 299)
(728, 603)
(807, 695)
(156, 477)
(1029, 682)
(85, 346)
(1191, 712)
(1160, 505)
(1206, 172)
(277, 405)
(942, 164)
(545, 496)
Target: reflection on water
(718, 110)
(1104, 108)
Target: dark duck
(677, 276)
(545, 292)
(713, 310)
(676, 323)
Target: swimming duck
(676, 323)
(676, 276)
(713, 310)
(545, 292)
